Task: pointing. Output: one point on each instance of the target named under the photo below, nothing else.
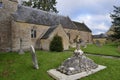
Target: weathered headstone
(21, 49)
(34, 58)
(83, 44)
(98, 43)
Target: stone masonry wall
(5, 24)
(72, 34)
(23, 31)
(86, 36)
(59, 31)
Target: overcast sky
(94, 13)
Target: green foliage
(46, 5)
(116, 16)
(116, 22)
(56, 44)
(116, 35)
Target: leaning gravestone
(75, 67)
(34, 58)
(21, 49)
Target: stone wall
(59, 31)
(86, 36)
(72, 34)
(100, 40)
(23, 31)
(5, 24)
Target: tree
(116, 16)
(116, 34)
(116, 22)
(56, 44)
(46, 5)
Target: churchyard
(24, 28)
(106, 49)
(14, 66)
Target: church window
(1, 4)
(33, 33)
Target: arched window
(33, 33)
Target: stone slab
(60, 76)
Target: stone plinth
(60, 76)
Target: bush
(56, 44)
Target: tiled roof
(100, 36)
(49, 31)
(82, 26)
(35, 16)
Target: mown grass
(106, 49)
(19, 67)
(110, 73)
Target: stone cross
(78, 42)
(21, 49)
(34, 58)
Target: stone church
(27, 26)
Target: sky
(94, 13)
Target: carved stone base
(60, 76)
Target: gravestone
(21, 49)
(34, 58)
(83, 44)
(98, 43)
(75, 67)
(77, 63)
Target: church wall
(72, 34)
(8, 7)
(59, 31)
(23, 31)
(86, 36)
(45, 43)
(100, 40)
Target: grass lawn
(107, 49)
(19, 67)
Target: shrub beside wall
(56, 44)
